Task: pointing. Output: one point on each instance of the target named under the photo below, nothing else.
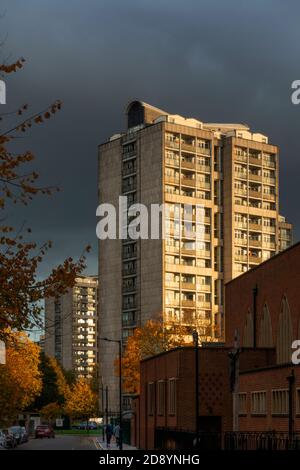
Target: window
(161, 397)
(258, 403)
(242, 403)
(280, 402)
(151, 398)
(172, 396)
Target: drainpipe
(255, 292)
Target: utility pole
(119, 341)
(234, 381)
(196, 344)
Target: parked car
(90, 426)
(19, 433)
(44, 430)
(7, 439)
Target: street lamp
(196, 343)
(119, 341)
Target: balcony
(254, 193)
(172, 179)
(269, 180)
(255, 259)
(241, 158)
(241, 241)
(203, 185)
(204, 304)
(172, 284)
(204, 287)
(172, 144)
(269, 245)
(188, 147)
(188, 182)
(269, 163)
(241, 224)
(188, 251)
(188, 303)
(188, 285)
(253, 160)
(269, 197)
(240, 174)
(189, 234)
(254, 242)
(241, 258)
(203, 151)
(172, 162)
(203, 253)
(269, 229)
(204, 168)
(242, 192)
(255, 226)
(255, 177)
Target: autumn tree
(51, 411)
(20, 289)
(55, 386)
(20, 377)
(145, 342)
(82, 401)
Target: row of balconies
(188, 286)
(187, 147)
(255, 243)
(256, 161)
(255, 177)
(188, 164)
(257, 227)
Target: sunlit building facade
(228, 173)
(71, 323)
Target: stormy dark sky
(213, 60)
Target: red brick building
(263, 310)
(165, 411)
(262, 409)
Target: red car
(44, 430)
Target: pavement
(101, 445)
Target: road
(59, 443)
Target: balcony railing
(188, 285)
(241, 158)
(172, 144)
(262, 440)
(188, 303)
(172, 161)
(188, 147)
(254, 160)
(269, 197)
(172, 179)
(254, 242)
(188, 182)
(255, 226)
(255, 177)
(204, 168)
(254, 193)
(269, 229)
(269, 163)
(203, 151)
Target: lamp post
(119, 341)
(196, 343)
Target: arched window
(265, 338)
(284, 334)
(248, 331)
